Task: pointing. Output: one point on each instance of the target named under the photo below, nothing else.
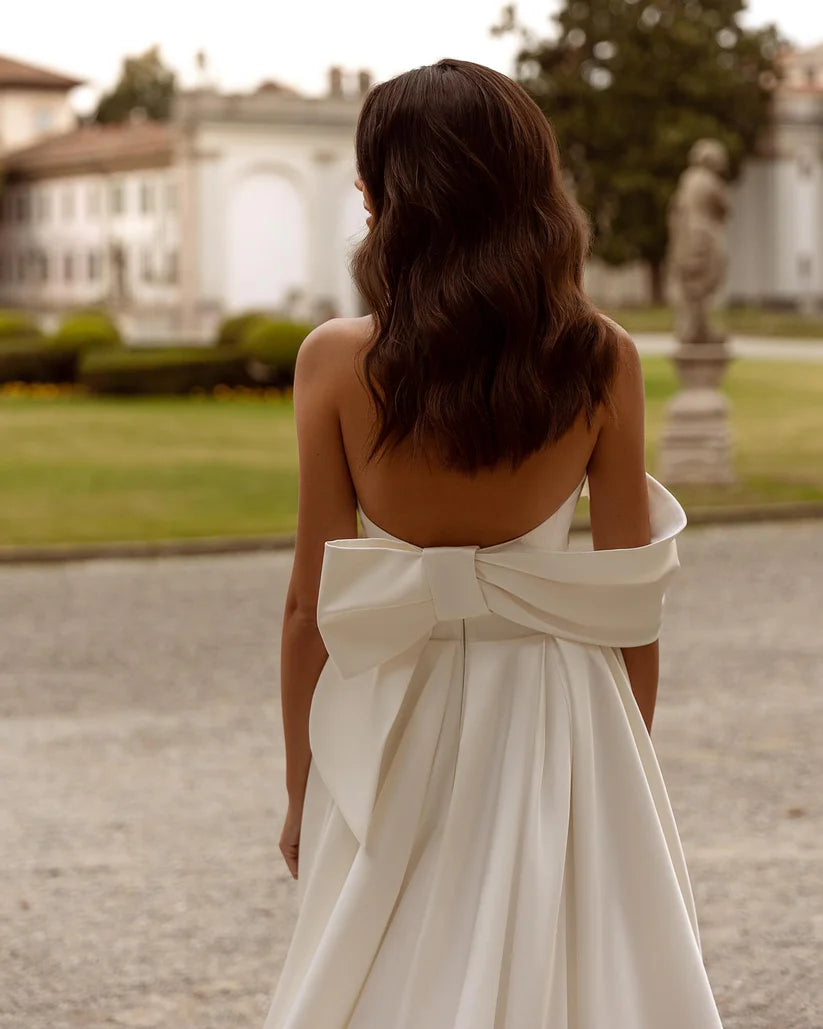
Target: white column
(324, 231)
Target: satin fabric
(487, 841)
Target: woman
(477, 822)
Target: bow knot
(451, 574)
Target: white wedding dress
(487, 841)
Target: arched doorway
(266, 241)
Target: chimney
(335, 81)
(363, 81)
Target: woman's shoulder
(329, 339)
(626, 348)
(627, 366)
(330, 346)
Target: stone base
(696, 445)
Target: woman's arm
(619, 501)
(326, 510)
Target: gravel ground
(142, 774)
(764, 348)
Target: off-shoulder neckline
(573, 496)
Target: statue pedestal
(696, 445)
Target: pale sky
(295, 41)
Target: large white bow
(381, 598)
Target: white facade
(251, 204)
(247, 202)
(776, 229)
(28, 114)
(269, 189)
(58, 237)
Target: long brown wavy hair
(485, 347)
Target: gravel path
(765, 348)
(142, 774)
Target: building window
(172, 266)
(21, 267)
(44, 119)
(117, 198)
(42, 205)
(93, 202)
(22, 207)
(40, 263)
(95, 265)
(146, 197)
(171, 196)
(67, 204)
(146, 266)
(68, 267)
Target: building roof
(273, 86)
(94, 148)
(17, 75)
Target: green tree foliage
(629, 86)
(146, 84)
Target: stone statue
(697, 257)
(696, 443)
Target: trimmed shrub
(21, 341)
(31, 357)
(16, 326)
(166, 370)
(234, 331)
(272, 349)
(87, 330)
(30, 361)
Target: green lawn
(90, 469)
(737, 321)
(84, 469)
(777, 425)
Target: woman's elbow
(300, 613)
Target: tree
(629, 86)
(146, 84)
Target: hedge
(235, 330)
(86, 349)
(272, 347)
(15, 325)
(27, 361)
(161, 370)
(27, 356)
(86, 330)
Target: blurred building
(247, 201)
(776, 226)
(33, 103)
(240, 201)
(776, 231)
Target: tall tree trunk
(656, 283)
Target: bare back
(430, 505)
